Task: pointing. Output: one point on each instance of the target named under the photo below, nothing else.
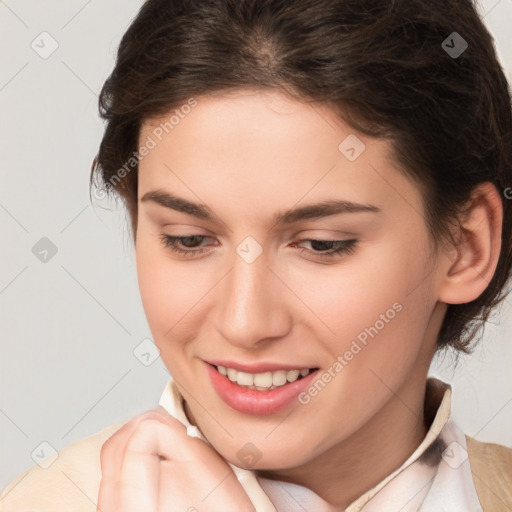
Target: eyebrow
(312, 211)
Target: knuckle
(148, 421)
(152, 415)
(141, 427)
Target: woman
(318, 200)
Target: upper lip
(258, 367)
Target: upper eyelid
(350, 236)
(328, 223)
(351, 240)
(347, 245)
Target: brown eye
(333, 247)
(172, 242)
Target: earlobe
(470, 268)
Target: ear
(471, 264)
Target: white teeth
(292, 375)
(261, 389)
(245, 379)
(231, 374)
(262, 381)
(279, 378)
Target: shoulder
(491, 467)
(71, 482)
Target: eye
(189, 241)
(340, 246)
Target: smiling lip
(252, 401)
(259, 367)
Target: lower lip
(252, 401)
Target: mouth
(263, 381)
(261, 393)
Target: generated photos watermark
(355, 348)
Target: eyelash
(345, 247)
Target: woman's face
(253, 290)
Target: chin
(274, 462)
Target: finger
(110, 468)
(111, 458)
(140, 472)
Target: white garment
(446, 486)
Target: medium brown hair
(387, 67)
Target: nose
(252, 304)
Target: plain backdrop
(71, 317)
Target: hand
(151, 465)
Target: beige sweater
(491, 467)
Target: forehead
(254, 125)
(249, 117)
(265, 145)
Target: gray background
(70, 325)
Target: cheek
(375, 363)
(363, 291)
(377, 316)
(169, 291)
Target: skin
(247, 155)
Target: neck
(361, 461)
